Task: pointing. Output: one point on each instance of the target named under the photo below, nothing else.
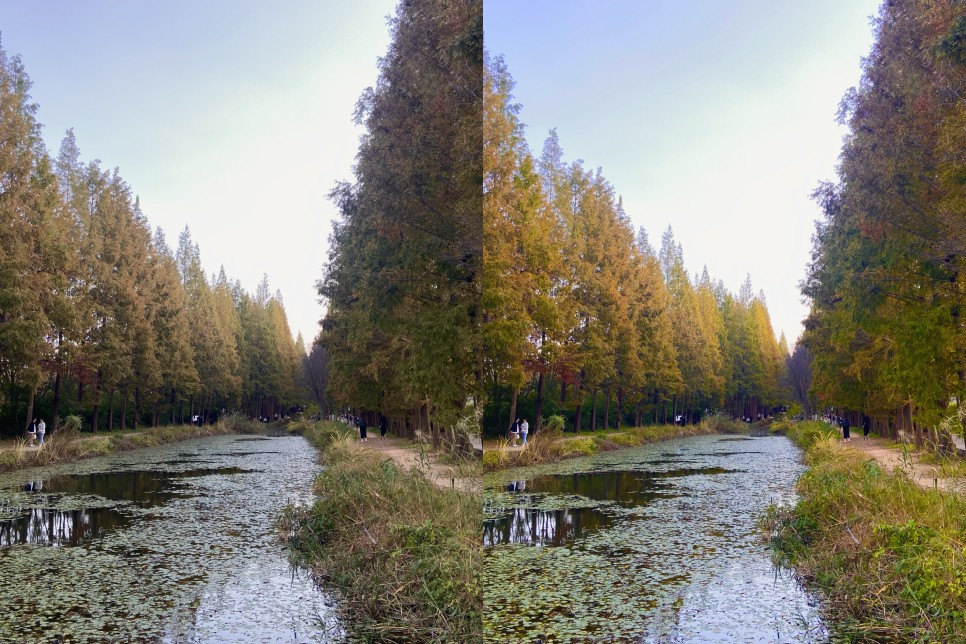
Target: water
(167, 544)
(653, 544)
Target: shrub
(719, 422)
(554, 426)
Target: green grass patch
(888, 556)
(403, 554)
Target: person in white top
(41, 430)
(524, 429)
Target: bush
(70, 427)
(723, 423)
(239, 423)
(554, 426)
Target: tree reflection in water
(543, 527)
(58, 527)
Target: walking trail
(410, 456)
(890, 458)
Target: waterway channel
(652, 544)
(167, 544)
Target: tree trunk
(97, 403)
(55, 421)
(606, 407)
(513, 407)
(538, 419)
(30, 407)
(580, 401)
(593, 414)
(123, 409)
(137, 405)
(620, 406)
(110, 412)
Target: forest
(584, 318)
(402, 283)
(100, 317)
(885, 336)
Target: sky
(716, 117)
(233, 117)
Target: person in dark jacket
(845, 430)
(866, 426)
(383, 426)
(362, 430)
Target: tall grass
(68, 445)
(549, 447)
(403, 553)
(887, 555)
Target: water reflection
(59, 527)
(624, 487)
(146, 487)
(543, 527)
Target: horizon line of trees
(584, 318)
(99, 317)
(885, 334)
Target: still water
(652, 544)
(167, 544)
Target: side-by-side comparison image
(482, 321)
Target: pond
(167, 544)
(651, 544)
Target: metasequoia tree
(402, 284)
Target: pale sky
(714, 116)
(231, 116)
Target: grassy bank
(888, 556)
(403, 554)
(550, 446)
(68, 445)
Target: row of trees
(402, 288)
(887, 282)
(99, 316)
(581, 314)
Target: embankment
(403, 554)
(887, 555)
(550, 446)
(68, 445)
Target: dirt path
(891, 458)
(408, 456)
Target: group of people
(363, 426)
(36, 431)
(843, 422)
(519, 430)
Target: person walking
(383, 426)
(41, 430)
(866, 426)
(524, 430)
(845, 430)
(362, 430)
